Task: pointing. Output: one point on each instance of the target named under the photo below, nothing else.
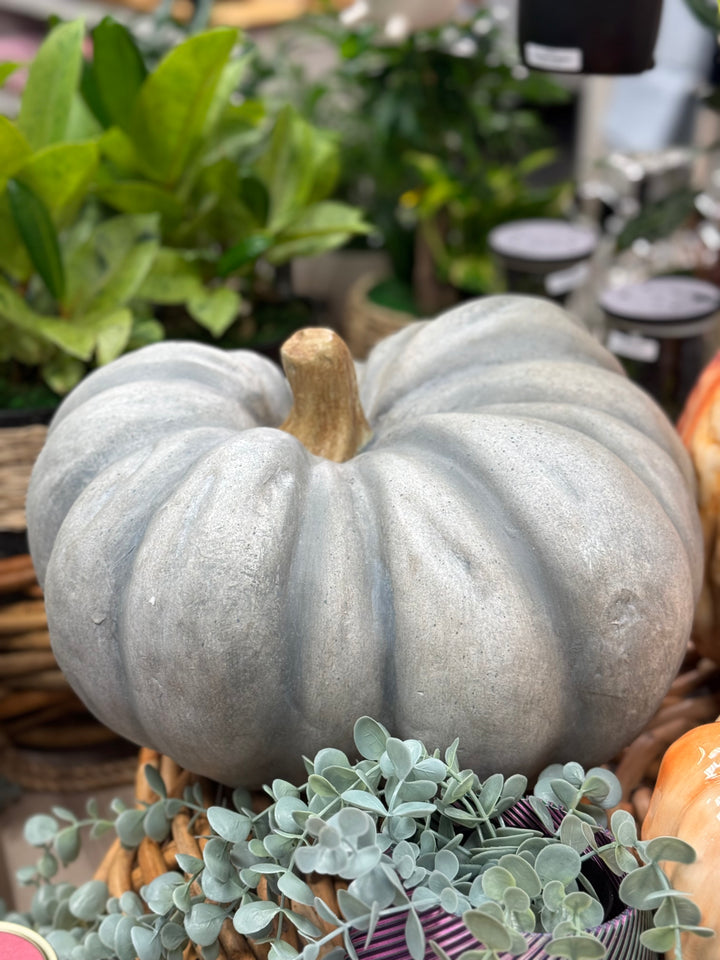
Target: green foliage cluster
(407, 829)
(124, 190)
(440, 132)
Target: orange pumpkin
(686, 804)
(699, 428)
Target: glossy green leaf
(174, 278)
(62, 372)
(53, 80)
(298, 167)
(7, 69)
(117, 150)
(91, 95)
(137, 196)
(35, 227)
(119, 70)
(243, 253)
(215, 310)
(14, 148)
(321, 227)
(172, 108)
(60, 175)
(109, 269)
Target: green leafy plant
(441, 135)
(125, 190)
(406, 829)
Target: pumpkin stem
(326, 416)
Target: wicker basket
(365, 323)
(48, 740)
(19, 447)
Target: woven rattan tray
(19, 447)
(48, 740)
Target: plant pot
(591, 36)
(620, 931)
(365, 322)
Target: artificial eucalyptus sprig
(406, 829)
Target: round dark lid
(543, 240)
(663, 300)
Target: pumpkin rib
(652, 464)
(515, 606)
(331, 592)
(441, 435)
(121, 421)
(232, 373)
(471, 337)
(537, 382)
(140, 484)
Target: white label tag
(633, 346)
(560, 59)
(563, 281)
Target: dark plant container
(589, 36)
(620, 931)
(543, 257)
(663, 331)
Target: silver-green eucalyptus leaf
(667, 848)
(488, 930)
(370, 738)
(40, 830)
(228, 824)
(414, 936)
(576, 948)
(557, 862)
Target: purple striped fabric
(620, 934)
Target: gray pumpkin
(512, 559)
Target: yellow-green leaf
(322, 226)
(113, 334)
(61, 373)
(14, 148)
(61, 175)
(52, 82)
(138, 196)
(216, 310)
(172, 107)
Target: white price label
(633, 346)
(563, 281)
(559, 59)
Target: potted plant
(441, 135)
(132, 190)
(411, 839)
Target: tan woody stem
(326, 415)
